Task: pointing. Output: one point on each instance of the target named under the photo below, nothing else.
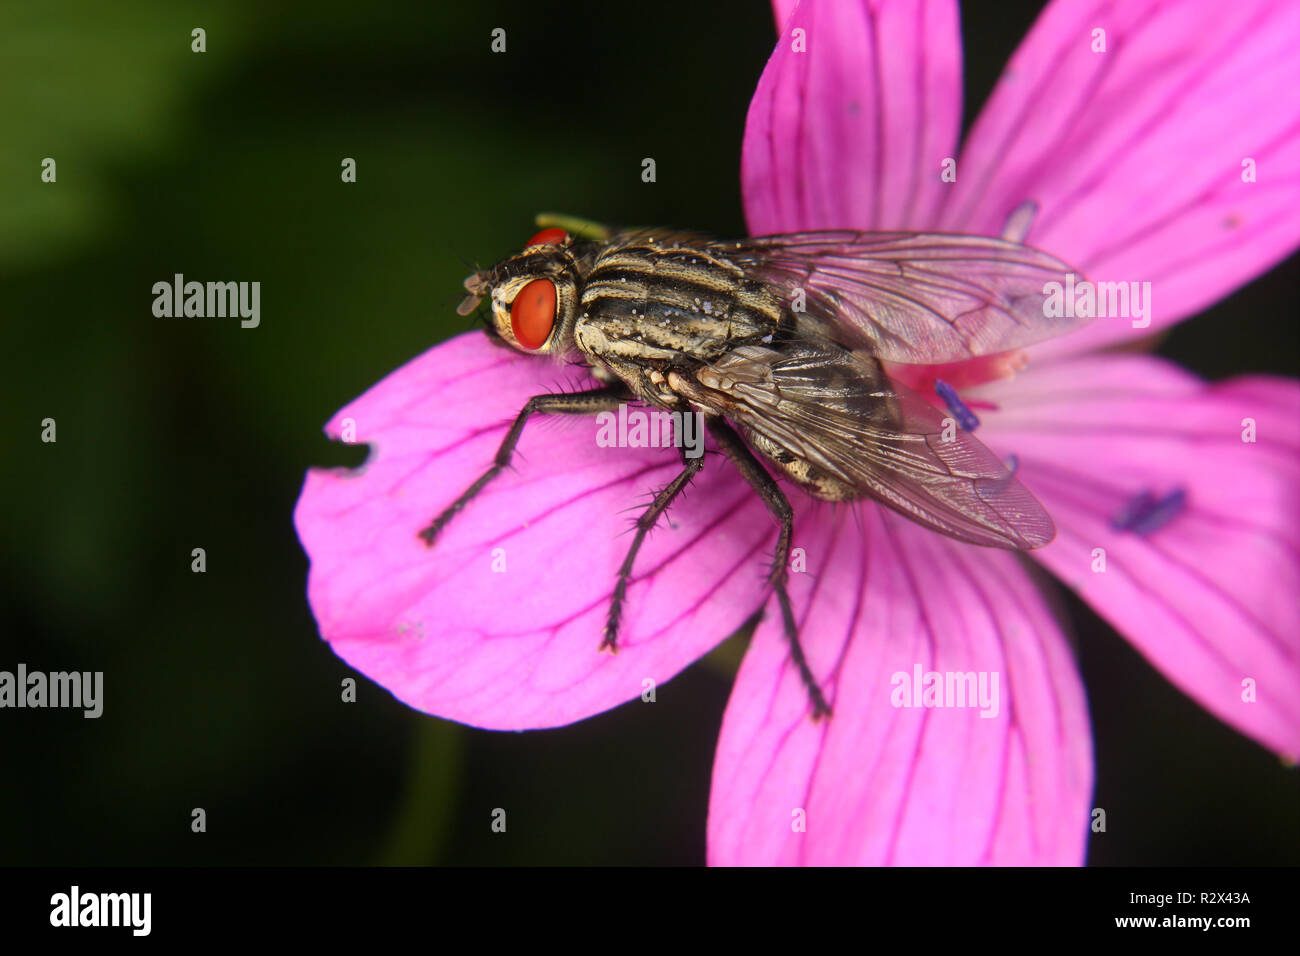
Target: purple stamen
(959, 410)
(1132, 510)
(1145, 513)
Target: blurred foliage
(174, 435)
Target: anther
(959, 410)
(1145, 513)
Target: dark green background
(175, 435)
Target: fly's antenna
(477, 285)
(469, 303)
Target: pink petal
(1210, 598)
(886, 785)
(446, 633)
(781, 10)
(1135, 155)
(852, 133)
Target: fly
(778, 341)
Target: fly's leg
(578, 403)
(779, 505)
(644, 523)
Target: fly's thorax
(649, 301)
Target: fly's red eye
(548, 237)
(532, 314)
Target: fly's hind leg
(590, 402)
(779, 505)
(644, 523)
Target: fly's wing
(913, 297)
(838, 411)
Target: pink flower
(1135, 158)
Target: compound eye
(548, 237)
(532, 314)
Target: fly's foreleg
(644, 523)
(779, 505)
(578, 403)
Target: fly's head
(533, 295)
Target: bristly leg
(779, 505)
(644, 523)
(604, 399)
